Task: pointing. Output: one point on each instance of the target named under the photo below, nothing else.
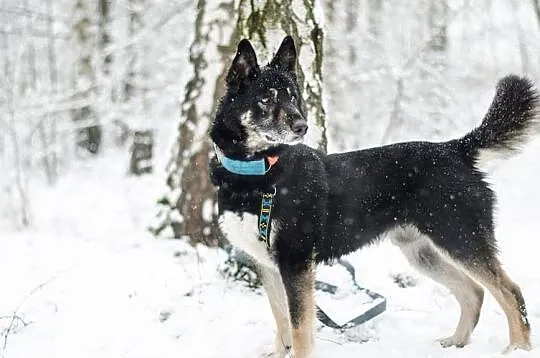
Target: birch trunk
(52, 169)
(89, 131)
(104, 9)
(134, 26)
(188, 209)
(19, 186)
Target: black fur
(330, 205)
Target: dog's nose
(299, 127)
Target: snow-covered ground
(89, 281)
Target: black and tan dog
(290, 206)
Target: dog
(290, 206)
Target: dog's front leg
(273, 285)
(299, 282)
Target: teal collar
(246, 167)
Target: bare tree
(434, 63)
(536, 5)
(30, 88)
(375, 12)
(104, 10)
(134, 51)
(188, 207)
(438, 25)
(51, 141)
(89, 131)
(521, 38)
(19, 189)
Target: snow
(90, 281)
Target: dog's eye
(265, 100)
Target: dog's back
(426, 185)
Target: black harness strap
(364, 317)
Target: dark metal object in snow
(240, 267)
(364, 317)
(141, 152)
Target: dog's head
(263, 106)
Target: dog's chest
(242, 230)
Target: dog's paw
(526, 346)
(278, 353)
(452, 341)
(282, 349)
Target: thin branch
(15, 314)
(18, 318)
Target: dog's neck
(245, 167)
(231, 153)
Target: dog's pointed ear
(244, 64)
(285, 58)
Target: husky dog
(290, 206)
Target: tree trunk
(351, 22)
(435, 62)
(438, 24)
(189, 207)
(89, 132)
(521, 38)
(104, 9)
(375, 8)
(30, 87)
(536, 5)
(19, 188)
(134, 52)
(52, 172)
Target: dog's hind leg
(490, 273)
(426, 258)
(299, 282)
(277, 296)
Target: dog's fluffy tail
(511, 119)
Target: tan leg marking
(303, 337)
(509, 297)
